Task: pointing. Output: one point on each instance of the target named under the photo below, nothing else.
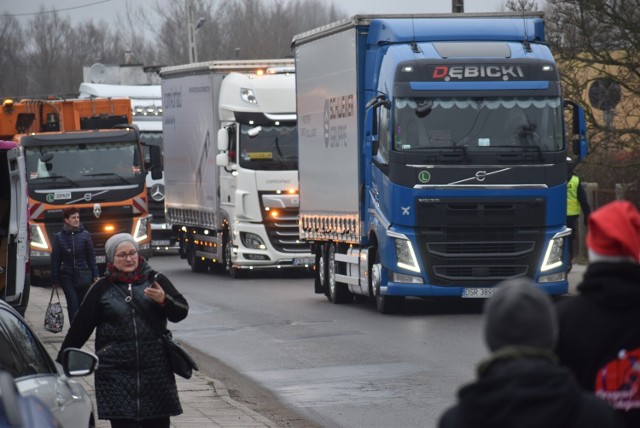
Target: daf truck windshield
(478, 124)
(271, 147)
(78, 163)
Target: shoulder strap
(140, 310)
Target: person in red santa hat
(599, 328)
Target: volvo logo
(157, 192)
(97, 210)
(481, 175)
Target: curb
(205, 400)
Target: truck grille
(480, 242)
(283, 232)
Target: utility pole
(191, 30)
(457, 6)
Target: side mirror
(222, 159)
(578, 136)
(76, 362)
(223, 140)
(156, 162)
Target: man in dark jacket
(521, 385)
(600, 327)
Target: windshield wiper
(56, 177)
(526, 148)
(98, 174)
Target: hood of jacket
(520, 392)
(612, 285)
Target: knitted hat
(112, 243)
(614, 233)
(520, 314)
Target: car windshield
(268, 147)
(478, 124)
(78, 162)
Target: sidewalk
(205, 401)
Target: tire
(384, 304)
(197, 264)
(389, 304)
(320, 271)
(234, 273)
(338, 293)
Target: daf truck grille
(283, 232)
(476, 243)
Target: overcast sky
(83, 10)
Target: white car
(35, 373)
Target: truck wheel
(385, 304)
(234, 273)
(320, 273)
(197, 264)
(338, 293)
(389, 304)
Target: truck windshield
(478, 124)
(273, 147)
(77, 163)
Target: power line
(58, 10)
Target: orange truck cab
(85, 154)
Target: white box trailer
(231, 164)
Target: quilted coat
(67, 243)
(134, 379)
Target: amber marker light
(275, 213)
(109, 228)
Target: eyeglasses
(123, 256)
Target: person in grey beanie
(521, 384)
(135, 385)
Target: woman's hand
(155, 293)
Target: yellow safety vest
(573, 206)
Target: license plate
(101, 259)
(302, 261)
(161, 242)
(477, 293)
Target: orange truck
(83, 154)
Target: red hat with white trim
(614, 233)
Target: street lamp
(192, 28)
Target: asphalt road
(336, 365)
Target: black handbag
(54, 316)
(181, 362)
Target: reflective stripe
(573, 206)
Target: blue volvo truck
(433, 155)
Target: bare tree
(48, 33)
(12, 57)
(521, 5)
(597, 43)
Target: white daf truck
(231, 160)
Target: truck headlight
(555, 251)
(251, 240)
(405, 256)
(140, 233)
(37, 237)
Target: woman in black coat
(135, 386)
(72, 248)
